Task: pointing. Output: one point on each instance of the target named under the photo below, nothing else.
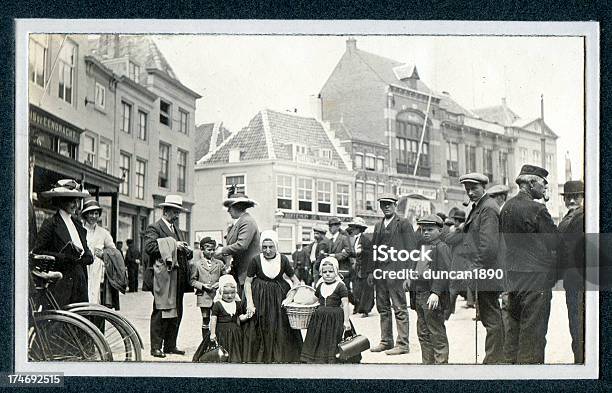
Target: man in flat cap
(531, 240)
(316, 251)
(398, 233)
(481, 246)
(572, 259)
(499, 193)
(340, 248)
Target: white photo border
(588, 30)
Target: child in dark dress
(331, 319)
(226, 318)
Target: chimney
(542, 107)
(115, 51)
(315, 107)
(351, 44)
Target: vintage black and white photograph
(315, 201)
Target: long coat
(398, 234)
(159, 230)
(52, 237)
(242, 245)
(340, 249)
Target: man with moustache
(171, 276)
(398, 233)
(316, 251)
(480, 247)
(572, 259)
(531, 240)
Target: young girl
(331, 319)
(205, 273)
(225, 319)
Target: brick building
(377, 107)
(293, 168)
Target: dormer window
(299, 149)
(134, 71)
(326, 153)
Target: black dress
(268, 337)
(229, 333)
(326, 328)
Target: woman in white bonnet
(268, 338)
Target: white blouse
(97, 238)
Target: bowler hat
(573, 187)
(534, 170)
(474, 177)
(432, 219)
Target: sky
(238, 76)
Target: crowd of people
(243, 285)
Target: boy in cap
(429, 295)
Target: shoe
(157, 353)
(175, 351)
(380, 348)
(397, 351)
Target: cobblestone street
(460, 330)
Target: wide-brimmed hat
(89, 205)
(358, 222)
(474, 177)
(239, 198)
(174, 201)
(573, 187)
(498, 189)
(65, 188)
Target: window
(89, 148)
(503, 167)
(141, 168)
(105, 156)
(305, 194)
(408, 150)
(284, 192)
(470, 159)
(370, 162)
(38, 59)
(452, 159)
(235, 180)
(549, 161)
(100, 96)
(359, 195)
(424, 159)
(164, 112)
(134, 72)
(66, 71)
(126, 117)
(380, 164)
(380, 190)
(326, 153)
(306, 234)
(523, 152)
(142, 125)
(182, 170)
(342, 198)
(184, 121)
(370, 197)
(323, 196)
(535, 160)
(164, 156)
(125, 174)
(488, 164)
(285, 239)
(358, 161)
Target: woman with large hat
(63, 237)
(98, 239)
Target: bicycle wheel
(127, 324)
(63, 336)
(122, 340)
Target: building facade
(405, 138)
(292, 166)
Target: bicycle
(121, 336)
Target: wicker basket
(299, 315)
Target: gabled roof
(499, 114)
(534, 124)
(141, 48)
(270, 135)
(450, 105)
(386, 70)
(208, 137)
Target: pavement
(461, 331)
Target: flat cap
(474, 177)
(431, 219)
(320, 229)
(498, 189)
(358, 222)
(334, 221)
(573, 187)
(387, 197)
(534, 170)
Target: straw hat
(174, 201)
(65, 188)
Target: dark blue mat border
(577, 10)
